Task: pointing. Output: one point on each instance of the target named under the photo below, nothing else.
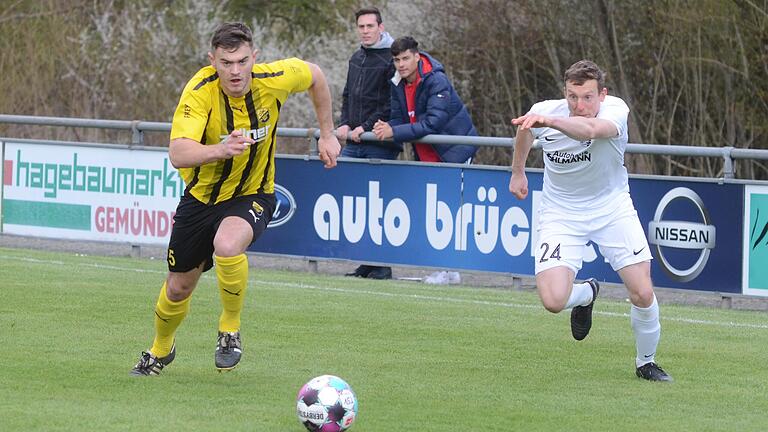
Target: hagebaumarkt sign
(89, 193)
(755, 268)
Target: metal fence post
(137, 135)
(728, 171)
(313, 147)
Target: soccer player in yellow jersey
(223, 143)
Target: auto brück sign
(89, 193)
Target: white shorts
(563, 236)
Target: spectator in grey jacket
(366, 100)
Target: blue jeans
(368, 151)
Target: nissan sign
(678, 234)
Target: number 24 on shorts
(546, 255)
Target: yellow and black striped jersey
(207, 115)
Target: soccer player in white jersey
(586, 198)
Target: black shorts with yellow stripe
(195, 225)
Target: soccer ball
(326, 404)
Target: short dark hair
(585, 70)
(230, 35)
(368, 11)
(405, 43)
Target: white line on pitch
(507, 305)
(411, 296)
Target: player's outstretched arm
(518, 183)
(578, 128)
(328, 145)
(188, 153)
(584, 128)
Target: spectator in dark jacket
(366, 97)
(423, 103)
(365, 101)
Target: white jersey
(583, 176)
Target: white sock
(581, 295)
(645, 324)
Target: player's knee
(228, 246)
(552, 306)
(226, 250)
(643, 297)
(232, 237)
(178, 294)
(551, 302)
(179, 289)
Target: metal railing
(138, 128)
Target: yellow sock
(232, 273)
(168, 316)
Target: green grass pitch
(420, 358)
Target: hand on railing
(382, 130)
(342, 132)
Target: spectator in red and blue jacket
(424, 102)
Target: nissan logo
(682, 234)
(285, 206)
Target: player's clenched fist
(518, 185)
(329, 149)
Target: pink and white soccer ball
(326, 404)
